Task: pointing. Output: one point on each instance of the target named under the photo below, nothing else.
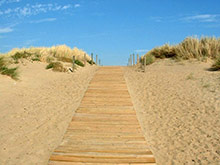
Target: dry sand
(35, 111)
(178, 106)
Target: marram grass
(57, 55)
(5, 70)
(191, 47)
(44, 54)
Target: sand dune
(36, 110)
(178, 106)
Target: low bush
(56, 66)
(4, 70)
(20, 55)
(90, 62)
(149, 60)
(77, 62)
(216, 65)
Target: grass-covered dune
(59, 58)
(191, 47)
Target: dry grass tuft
(216, 65)
(149, 59)
(61, 53)
(56, 66)
(191, 47)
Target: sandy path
(179, 110)
(35, 111)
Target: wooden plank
(78, 163)
(101, 154)
(107, 151)
(69, 158)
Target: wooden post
(99, 62)
(144, 63)
(133, 59)
(137, 58)
(92, 58)
(74, 62)
(130, 60)
(85, 59)
(96, 60)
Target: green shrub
(35, 59)
(91, 62)
(216, 65)
(79, 63)
(12, 72)
(20, 55)
(56, 66)
(50, 65)
(4, 70)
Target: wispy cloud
(198, 18)
(141, 50)
(2, 2)
(202, 18)
(44, 20)
(35, 9)
(6, 30)
(77, 5)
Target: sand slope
(178, 106)
(35, 111)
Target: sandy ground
(178, 106)
(36, 110)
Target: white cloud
(29, 10)
(77, 5)
(66, 7)
(44, 20)
(6, 30)
(202, 18)
(2, 2)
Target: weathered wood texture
(105, 129)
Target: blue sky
(113, 29)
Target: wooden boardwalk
(104, 129)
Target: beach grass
(56, 66)
(190, 48)
(5, 70)
(51, 55)
(77, 62)
(216, 65)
